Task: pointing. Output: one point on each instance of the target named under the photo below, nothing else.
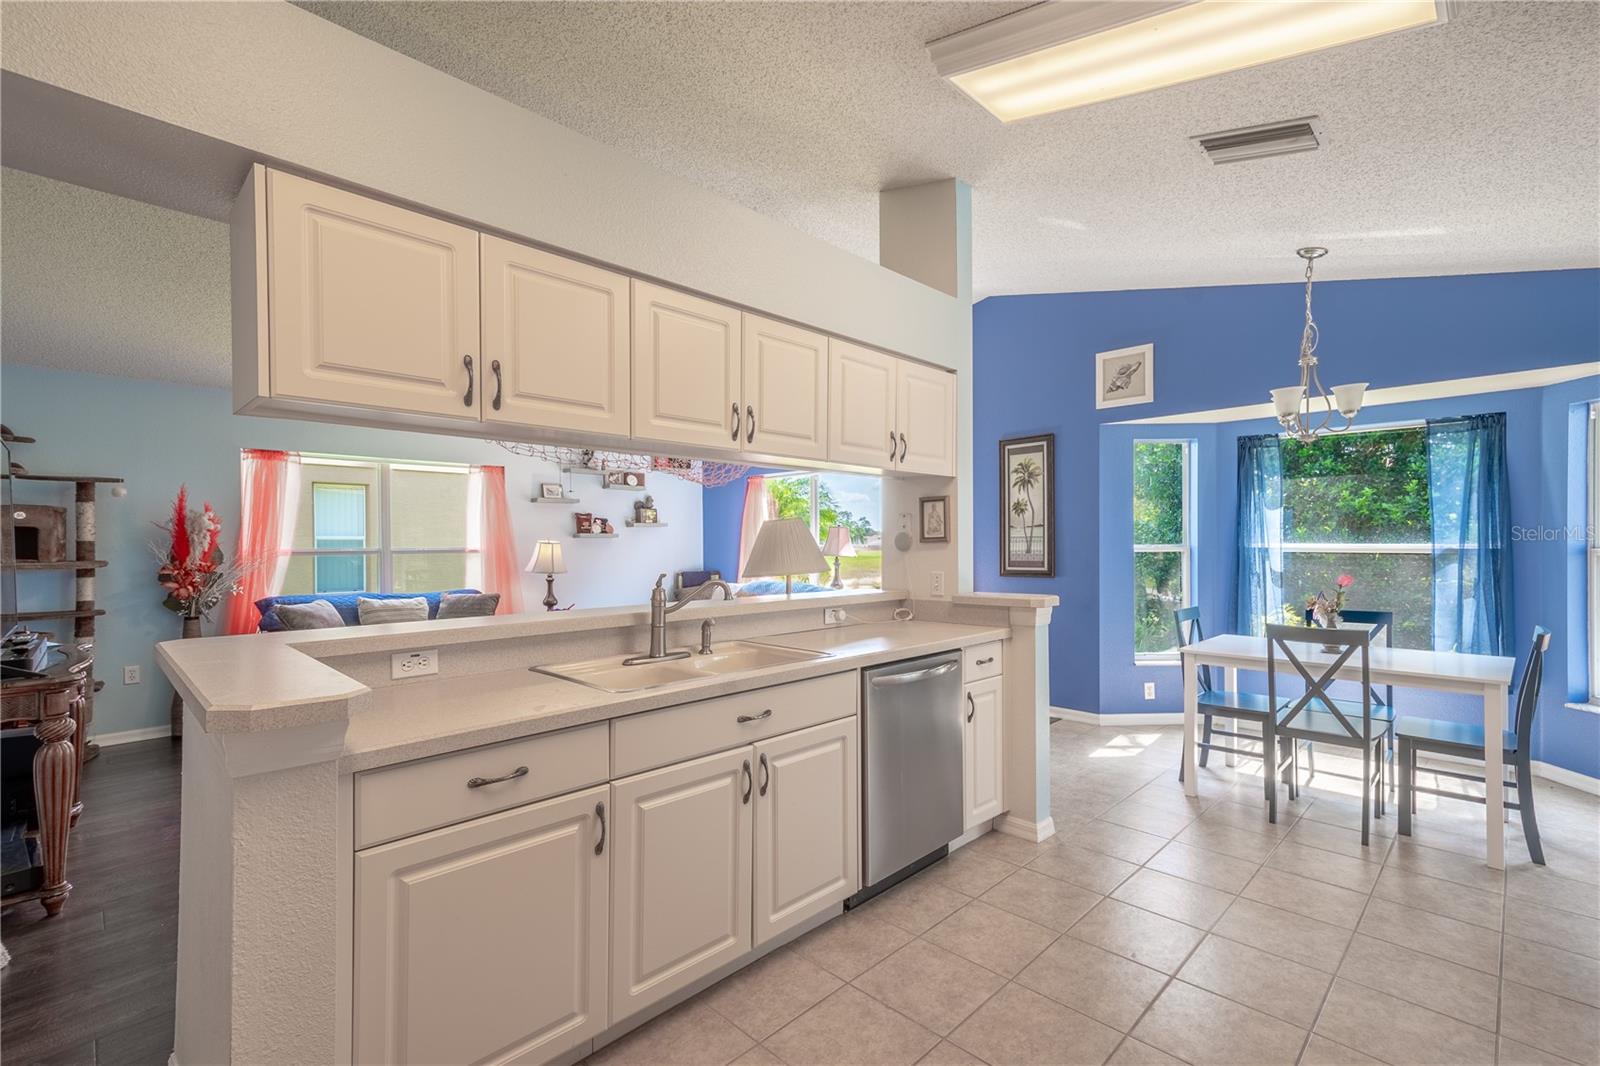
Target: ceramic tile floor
(1155, 929)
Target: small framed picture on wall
(551, 491)
(1028, 506)
(935, 519)
(1125, 376)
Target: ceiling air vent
(1258, 142)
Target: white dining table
(1485, 676)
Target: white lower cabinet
(680, 905)
(982, 752)
(807, 834)
(485, 941)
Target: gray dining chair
(1382, 623)
(1218, 702)
(1316, 716)
(1465, 741)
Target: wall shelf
(82, 479)
(39, 616)
(593, 536)
(562, 500)
(62, 564)
(644, 525)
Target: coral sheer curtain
(757, 509)
(269, 496)
(492, 563)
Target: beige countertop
(262, 681)
(417, 719)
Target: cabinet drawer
(399, 801)
(656, 738)
(980, 661)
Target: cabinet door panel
(982, 752)
(681, 891)
(686, 369)
(369, 304)
(559, 330)
(785, 386)
(861, 400)
(925, 414)
(807, 836)
(486, 941)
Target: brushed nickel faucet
(659, 610)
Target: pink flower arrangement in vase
(1327, 611)
(192, 568)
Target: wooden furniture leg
(55, 781)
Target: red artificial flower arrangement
(192, 568)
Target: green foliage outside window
(1158, 519)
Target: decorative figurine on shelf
(603, 526)
(644, 511)
(585, 523)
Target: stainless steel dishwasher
(910, 767)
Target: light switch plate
(1149, 690)
(413, 663)
(936, 584)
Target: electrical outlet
(413, 663)
(833, 616)
(936, 584)
(132, 675)
(1149, 690)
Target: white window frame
(1593, 535)
(384, 551)
(1185, 550)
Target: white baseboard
(1033, 832)
(131, 736)
(1107, 720)
(1571, 778)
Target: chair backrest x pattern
(1281, 640)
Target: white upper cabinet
(680, 903)
(485, 941)
(925, 420)
(807, 835)
(370, 305)
(785, 387)
(861, 400)
(686, 369)
(555, 341)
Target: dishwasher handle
(916, 675)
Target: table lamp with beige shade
(784, 547)
(838, 544)
(547, 561)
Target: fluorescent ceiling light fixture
(1059, 55)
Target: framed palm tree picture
(1027, 506)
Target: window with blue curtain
(1471, 533)
(1259, 596)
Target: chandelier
(696, 471)
(1295, 404)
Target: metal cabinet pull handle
(743, 718)
(750, 417)
(748, 781)
(495, 366)
(479, 782)
(600, 813)
(902, 447)
(466, 361)
(985, 662)
(972, 708)
(736, 423)
(766, 774)
(891, 445)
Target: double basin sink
(733, 657)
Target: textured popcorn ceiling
(104, 285)
(1465, 148)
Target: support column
(1027, 725)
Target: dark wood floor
(96, 984)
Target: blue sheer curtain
(1471, 533)
(1260, 537)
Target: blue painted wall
(1222, 347)
(722, 511)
